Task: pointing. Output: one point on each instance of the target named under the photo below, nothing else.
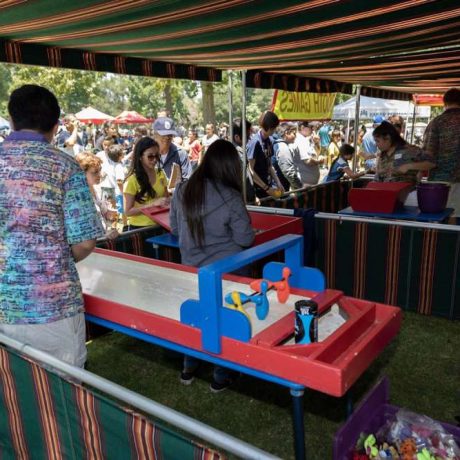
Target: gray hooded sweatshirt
(227, 226)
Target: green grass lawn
(423, 364)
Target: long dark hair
(138, 170)
(387, 129)
(221, 166)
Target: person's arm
(72, 139)
(185, 166)
(431, 140)
(131, 210)
(275, 177)
(173, 213)
(82, 222)
(82, 250)
(353, 175)
(417, 166)
(290, 172)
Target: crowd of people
(61, 190)
(280, 157)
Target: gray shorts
(63, 339)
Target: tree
(73, 88)
(209, 111)
(5, 82)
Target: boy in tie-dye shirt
(47, 223)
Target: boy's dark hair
(238, 127)
(33, 107)
(115, 152)
(452, 96)
(346, 149)
(269, 120)
(302, 124)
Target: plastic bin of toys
(372, 414)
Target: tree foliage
(190, 103)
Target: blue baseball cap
(378, 119)
(164, 126)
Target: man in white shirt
(309, 159)
(209, 137)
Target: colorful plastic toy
(258, 298)
(408, 449)
(281, 287)
(371, 447)
(234, 299)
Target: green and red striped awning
(396, 45)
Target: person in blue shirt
(340, 166)
(325, 138)
(369, 147)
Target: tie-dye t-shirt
(45, 206)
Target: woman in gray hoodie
(209, 217)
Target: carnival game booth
(241, 323)
(368, 258)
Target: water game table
(266, 226)
(182, 308)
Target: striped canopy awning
(396, 45)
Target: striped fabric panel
(330, 233)
(392, 264)
(142, 434)
(47, 414)
(8, 388)
(427, 271)
(359, 282)
(90, 425)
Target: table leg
(299, 430)
(349, 403)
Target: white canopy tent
(372, 106)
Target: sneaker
(217, 387)
(186, 378)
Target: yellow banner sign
(291, 106)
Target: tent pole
(230, 106)
(413, 123)
(356, 127)
(243, 129)
(406, 121)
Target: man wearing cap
(369, 147)
(164, 131)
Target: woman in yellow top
(334, 146)
(146, 184)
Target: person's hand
(321, 159)
(111, 215)
(163, 202)
(275, 192)
(112, 234)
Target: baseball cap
(378, 119)
(164, 126)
